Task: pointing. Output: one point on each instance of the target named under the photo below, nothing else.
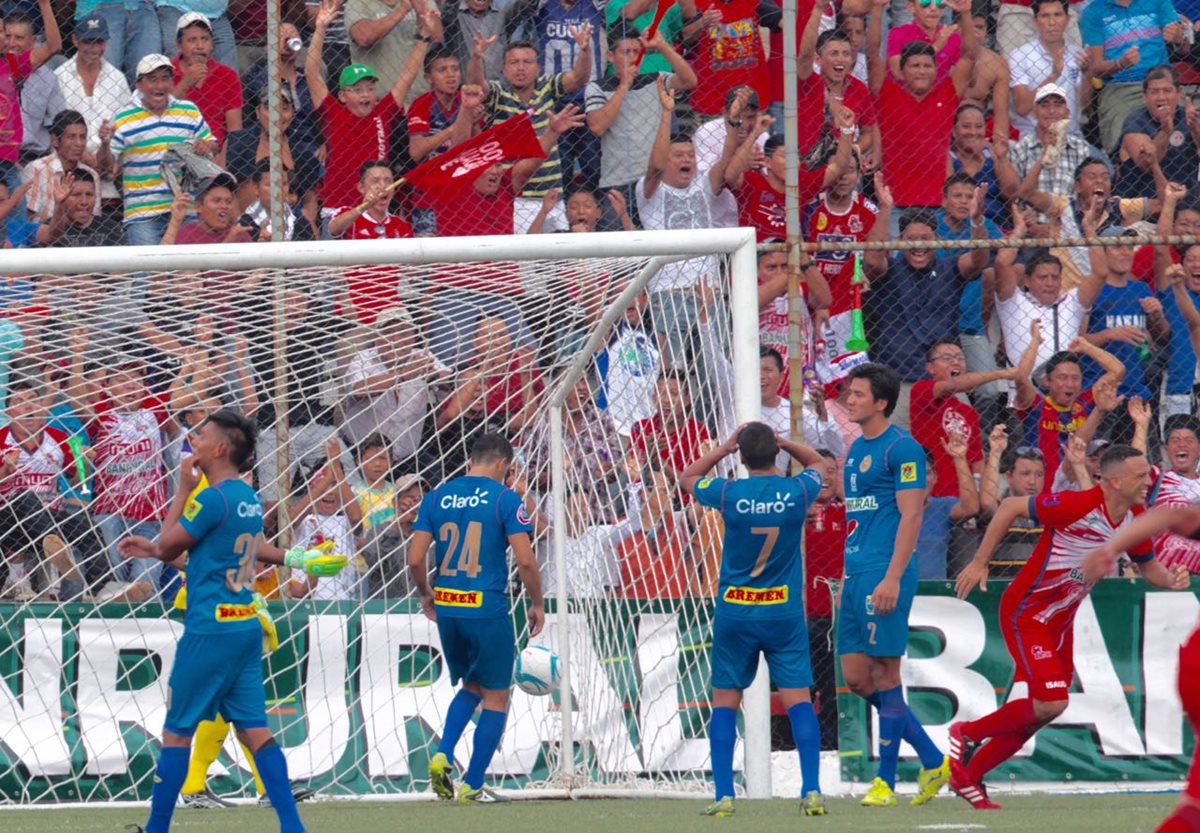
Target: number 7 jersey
(471, 519)
(226, 521)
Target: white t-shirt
(631, 378)
(817, 434)
(314, 529)
(110, 95)
(679, 209)
(709, 141)
(1030, 64)
(1061, 323)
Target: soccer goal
(370, 367)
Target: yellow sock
(258, 784)
(206, 745)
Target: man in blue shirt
(1124, 38)
(884, 480)
(760, 598)
(475, 519)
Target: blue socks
(272, 769)
(806, 732)
(457, 717)
(487, 738)
(893, 716)
(168, 781)
(722, 735)
(914, 734)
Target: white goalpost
(296, 334)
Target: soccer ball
(537, 670)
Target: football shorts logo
(869, 606)
(192, 509)
(1039, 652)
(865, 465)
(908, 472)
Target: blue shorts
(217, 674)
(860, 630)
(480, 651)
(737, 643)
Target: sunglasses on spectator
(925, 4)
(1028, 452)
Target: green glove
(320, 562)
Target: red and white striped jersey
(1172, 489)
(1050, 586)
(38, 469)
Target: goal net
(369, 371)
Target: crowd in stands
(919, 120)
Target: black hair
(969, 105)
(1036, 5)
(240, 433)
(759, 445)
(65, 119)
(521, 44)
(914, 49)
(1041, 259)
(1060, 358)
(1082, 166)
(372, 163)
(619, 31)
(1024, 452)
(674, 374)
(827, 454)
(884, 382)
(772, 354)
(680, 138)
(1161, 71)
(938, 342)
(440, 53)
(832, 35)
(918, 214)
(264, 169)
(1115, 454)
(773, 143)
(1180, 422)
(957, 178)
(751, 100)
(82, 175)
(489, 448)
(374, 440)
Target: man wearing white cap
(214, 11)
(201, 79)
(1041, 160)
(142, 133)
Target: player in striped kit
(1037, 611)
(1178, 485)
(1099, 563)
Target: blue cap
(92, 27)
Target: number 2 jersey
(761, 574)
(876, 470)
(470, 519)
(227, 521)
(1050, 587)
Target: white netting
(389, 373)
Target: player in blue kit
(884, 481)
(760, 599)
(218, 662)
(474, 519)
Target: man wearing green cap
(357, 123)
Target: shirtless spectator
(199, 78)
(990, 82)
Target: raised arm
(973, 261)
(369, 31)
(416, 56)
(875, 261)
(475, 70)
(696, 469)
(876, 66)
(1166, 226)
(661, 150)
(461, 129)
(807, 48)
(1183, 299)
(968, 495)
(1114, 370)
(50, 47)
(743, 157)
(989, 483)
(1023, 372)
(964, 68)
(313, 67)
(716, 174)
(1006, 175)
(1006, 259)
(581, 73)
(557, 124)
(1090, 286)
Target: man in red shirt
(671, 436)
(214, 88)
(727, 52)
(216, 215)
(357, 123)
(820, 94)
(824, 554)
(916, 116)
(937, 412)
(34, 529)
(1037, 611)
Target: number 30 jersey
(226, 521)
(470, 519)
(761, 575)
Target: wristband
(693, 18)
(424, 38)
(847, 131)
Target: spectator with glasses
(1024, 475)
(926, 27)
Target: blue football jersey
(227, 521)
(470, 519)
(875, 471)
(761, 572)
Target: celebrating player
(884, 482)
(760, 603)
(1099, 563)
(218, 663)
(476, 518)
(1037, 611)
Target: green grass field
(1138, 813)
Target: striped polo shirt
(503, 104)
(140, 141)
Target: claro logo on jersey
(480, 498)
(781, 503)
(249, 510)
(457, 598)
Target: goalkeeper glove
(270, 633)
(319, 561)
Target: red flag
(464, 163)
(664, 6)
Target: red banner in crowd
(464, 163)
